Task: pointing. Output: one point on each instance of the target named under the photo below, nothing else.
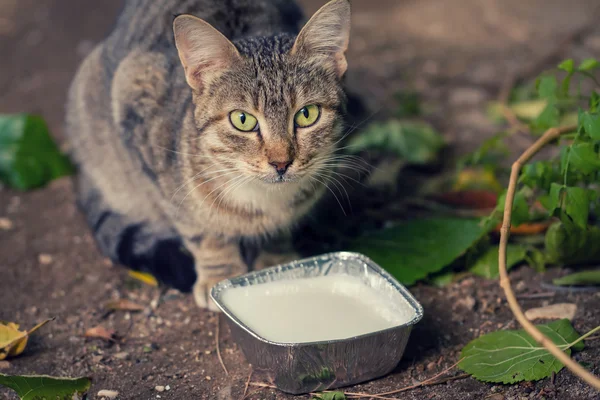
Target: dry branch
(549, 136)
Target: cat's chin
(280, 180)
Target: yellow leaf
(477, 179)
(12, 340)
(144, 277)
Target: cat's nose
(281, 166)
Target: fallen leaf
(477, 178)
(591, 277)
(99, 332)
(144, 277)
(472, 199)
(513, 355)
(553, 311)
(13, 341)
(527, 228)
(35, 387)
(123, 305)
(29, 158)
(330, 396)
(412, 250)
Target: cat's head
(267, 108)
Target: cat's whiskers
(232, 189)
(339, 186)
(194, 178)
(328, 188)
(226, 183)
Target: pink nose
(281, 166)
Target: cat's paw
(267, 259)
(202, 295)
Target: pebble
(159, 388)
(45, 259)
(121, 356)
(167, 387)
(111, 394)
(5, 224)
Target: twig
(547, 137)
(217, 345)
(531, 296)
(247, 384)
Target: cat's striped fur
(168, 185)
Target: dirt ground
(456, 53)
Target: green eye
(307, 116)
(243, 121)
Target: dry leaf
(144, 277)
(553, 311)
(472, 199)
(99, 332)
(123, 305)
(528, 228)
(12, 340)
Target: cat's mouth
(280, 179)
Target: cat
(204, 130)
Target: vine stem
(547, 137)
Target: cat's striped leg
(215, 260)
(136, 242)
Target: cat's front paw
(201, 292)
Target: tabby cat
(200, 140)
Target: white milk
(314, 309)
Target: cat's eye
(307, 116)
(243, 121)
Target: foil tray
(299, 368)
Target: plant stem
(547, 137)
(590, 333)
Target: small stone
(122, 355)
(110, 394)
(208, 378)
(159, 388)
(4, 365)
(467, 96)
(45, 259)
(431, 366)
(5, 224)
(167, 387)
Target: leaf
(567, 65)
(415, 142)
(29, 158)
(552, 311)
(145, 277)
(477, 179)
(99, 332)
(13, 341)
(547, 87)
(577, 202)
(584, 158)
(570, 244)
(471, 199)
(588, 65)
(591, 277)
(520, 209)
(591, 124)
(330, 396)
(414, 249)
(123, 305)
(514, 356)
(39, 387)
(547, 119)
(529, 110)
(487, 265)
(409, 104)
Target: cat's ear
(326, 35)
(203, 50)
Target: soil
(455, 53)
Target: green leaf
(39, 387)
(577, 201)
(412, 250)
(591, 277)
(555, 199)
(567, 65)
(514, 356)
(591, 124)
(409, 104)
(414, 142)
(584, 158)
(520, 209)
(547, 87)
(330, 396)
(443, 279)
(29, 157)
(548, 118)
(570, 245)
(487, 265)
(588, 65)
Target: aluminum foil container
(298, 368)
